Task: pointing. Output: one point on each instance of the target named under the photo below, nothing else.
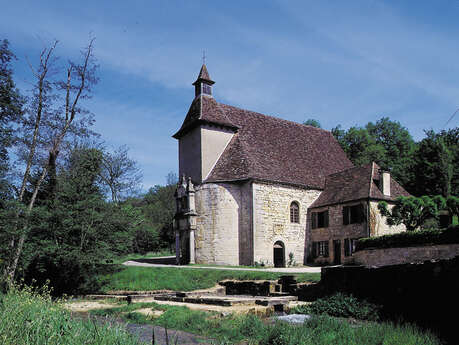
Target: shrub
(341, 305)
(411, 238)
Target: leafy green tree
(385, 142)
(11, 108)
(360, 147)
(411, 211)
(436, 164)
(42, 147)
(313, 123)
(72, 235)
(398, 146)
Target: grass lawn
(184, 279)
(233, 329)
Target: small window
(294, 212)
(320, 249)
(353, 214)
(206, 89)
(319, 219)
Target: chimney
(384, 182)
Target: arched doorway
(279, 254)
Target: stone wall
(219, 207)
(378, 225)
(336, 231)
(272, 220)
(396, 256)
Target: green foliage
(385, 142)
(413, 238)
(158, 209)
(341, 305)
(72, 234)
(184, 279)
(313, 123)
(11, 103)
(38, 320)
(412, 211)
(236, 329)
(325, 330)
(436, 164)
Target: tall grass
(29, 317)
(324, 330)
(157, 278)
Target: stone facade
(239, 223)
(222, 209)
(372, 224)
(378, 225)
(272, 220)
(335, 234)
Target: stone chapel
(260, 189)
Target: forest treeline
(69, 204)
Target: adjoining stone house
(252, 185)
(347, 210)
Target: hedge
(411, 239)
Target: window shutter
(314, 249)
(361, 214)
(346, 215)
(326, 219)
(314, 220)
(346, 247)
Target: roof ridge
(274, 117)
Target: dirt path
(303, 269)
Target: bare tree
(120, 174)
(76, 86)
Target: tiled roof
(204, 75)
(354, 184)
(204, 109)
(268, 148)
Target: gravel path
(303, 269)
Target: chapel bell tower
(203, 85)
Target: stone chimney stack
(384, 182)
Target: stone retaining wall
(396, 256)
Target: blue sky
(340, 62)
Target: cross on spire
(203, 57)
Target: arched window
(294, 212)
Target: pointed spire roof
(204, 76)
